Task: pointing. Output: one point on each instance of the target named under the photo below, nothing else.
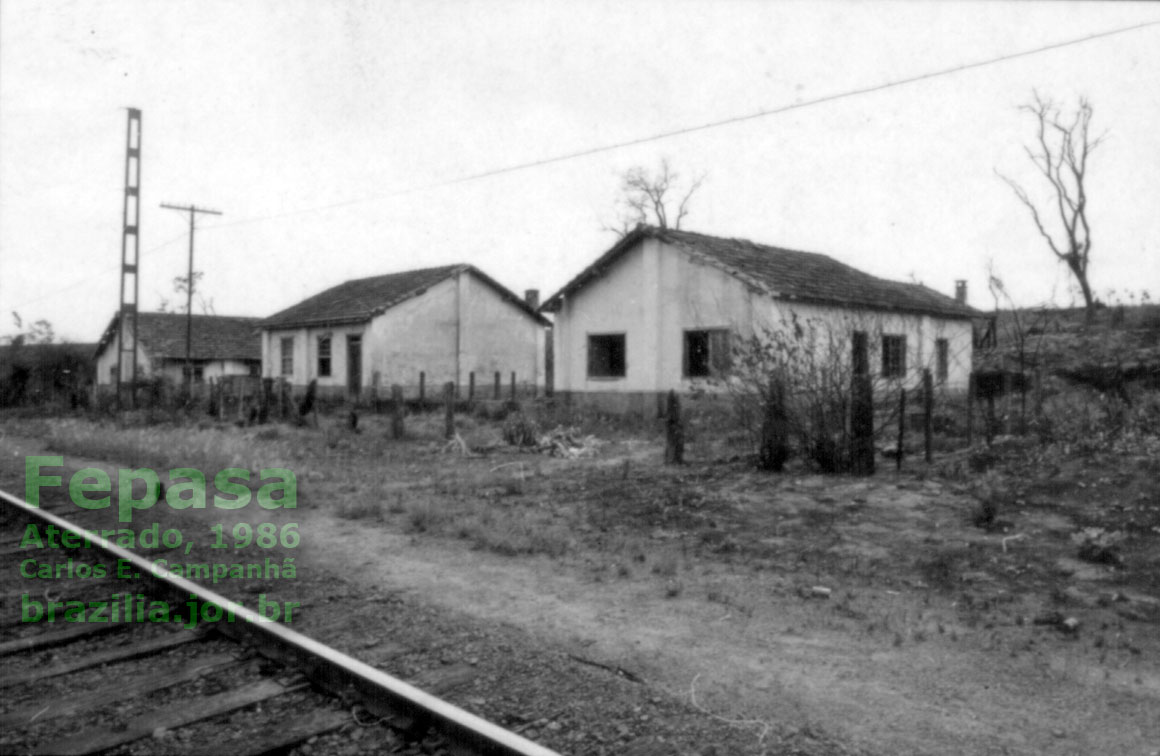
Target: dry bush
(520, 430)
(791, 390)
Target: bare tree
(1063, 144)
(40, 332)
(181, 286)
(647, 197)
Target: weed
(423, 517)
(359, 510)
(520, 430)
(942, 570)
(666, 565)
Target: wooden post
(513, 392)
(222, 398)
(971, 409)
(241, 399)
(497, 385)
(264, 407)
(927, 412)
(990, 417)
(471, 386)
(674, 432)
(774, 448)
(901, 426)
(422, 388)
(862, 409)
(397, 408)
(449, 409)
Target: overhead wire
(668, 134)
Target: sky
(340, 139)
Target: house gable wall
(655, 292)
(457, 326)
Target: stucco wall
(170, 369)
(457, 326)
(655, 292)
(108, 358)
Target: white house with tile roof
(417, 328)
(221, 345)
(664, 309)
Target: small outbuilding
(667, 309)
(221, 345)
(419, 329)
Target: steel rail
(384, 695)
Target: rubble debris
(567, 443)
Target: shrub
(791, 389)
(520, 430)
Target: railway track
(137, 676)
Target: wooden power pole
(192, 210)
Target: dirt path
(790, 662)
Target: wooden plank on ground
(278, 737)
(80, 701)
(78, 631)
(121, 653)
(177, 714)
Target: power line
(87, 281)
(701, 127)
(658, 136)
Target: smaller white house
(663, 309)
(419, 329)
(221, 345)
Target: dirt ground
(878, 615)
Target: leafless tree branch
(1062, 146)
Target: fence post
(513, 391)
(674, 432)
(901, 426)
(397, 407)
(449, 409)
(471, 386)
(497, 385)
(264, 406)
(971, 409)
(862, 409)
(774, 446)
(422, 388)
(990, 417)
(927, 411)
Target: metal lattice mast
(130, 268)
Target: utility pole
(130, 263)
(192, 210)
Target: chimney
(532, 298)
(961, 291)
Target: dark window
(288, 355)
(255, 369)
(942, 359)
(606, 356)
(706, 353)
(324, 356)
(198, 372)
(893, 356)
